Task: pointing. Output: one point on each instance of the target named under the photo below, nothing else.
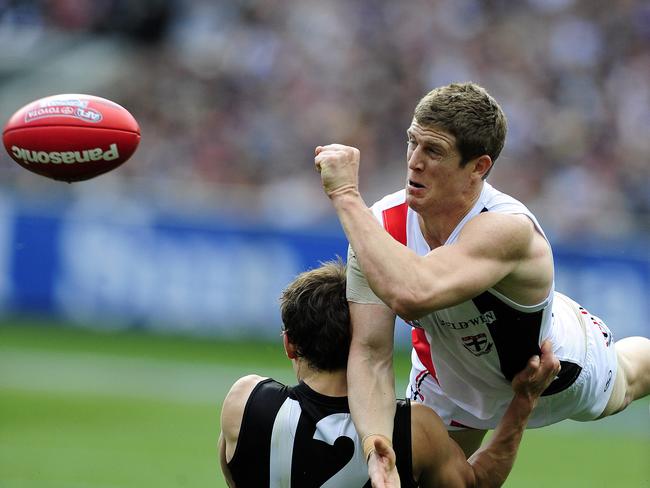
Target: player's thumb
(385, 451)
(548, 358)
(533, 365)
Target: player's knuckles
(325, 158)
(335, 158)
(334, 147)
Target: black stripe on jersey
(568, 374)
(516, 336)
(515, 333)
(313, 461)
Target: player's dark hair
(316, 317)
(470, 114)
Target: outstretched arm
(371, 388)
(492, 463)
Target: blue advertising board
(143, 269)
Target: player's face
(434, 175)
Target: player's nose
(414, 161)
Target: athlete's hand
(381, 465)
(538, 374)
(338, 166)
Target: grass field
(92, 410)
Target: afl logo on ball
(85, 114)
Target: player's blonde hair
(470, 114)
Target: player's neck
(330, 383)
(438, 223)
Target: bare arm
(491, 464)
(415, 285)
(232, 413)
(371, 387)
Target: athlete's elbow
(407, 306)
(409, 315)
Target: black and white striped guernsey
(294, 437)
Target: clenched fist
(338, 166)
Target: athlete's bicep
(373, 325)
(488, 249)
(357, 287)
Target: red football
(71, 137)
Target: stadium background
(131, 302)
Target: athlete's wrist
(345, 196)
(368, 444)
(524, 403)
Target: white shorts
(584, 400)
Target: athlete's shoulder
(235, 402)
(508, 236)
(243, 387)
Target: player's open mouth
(415, 184)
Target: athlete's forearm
(493, 462)
(371, 392)
(371, 383)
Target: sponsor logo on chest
(483, 319)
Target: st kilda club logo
(477, 344)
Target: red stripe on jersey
(395, 224)
(423, 350)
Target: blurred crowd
(233, 96)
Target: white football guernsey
(474, 349)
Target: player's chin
(415, 198)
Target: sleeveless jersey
(475, 348)
(294, 437)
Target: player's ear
(482, 165)
(289, 348)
